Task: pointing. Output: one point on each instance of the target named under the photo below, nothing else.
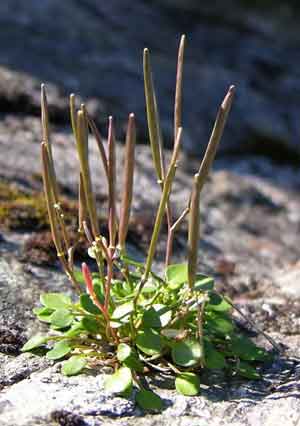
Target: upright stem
(127, 181)
(160, 212)
(112, 222)
(82, 148)
(193, 234)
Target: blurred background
(94, 48)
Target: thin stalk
(50, 202)
(178, 91)
(252, 323)
(171, 235)
(112, 222)
(200, 321)
(152, 116)
(54, 225)
(127, 181)
(160, 212)
(104, 309)
(99, 142)
(193, 232)
(215, 137)
(82, 148)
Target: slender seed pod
(162, 205)
(50, 202)
(73, 114)
(178, 90)
(112, 223)
(45, 115)
(193, 232)
(82, 207)
(127, 181)
(82, 148)
(215, 137)
(152, 116)
(46, 139)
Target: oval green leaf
(73, 366)
(244, 348)
(203, 283)
(60, 349)
(219, 324)
(122, 311)
(88, 305)
(90, 324)
(149, 401)
(61, 318)
(176, 275)
(35, 342)
(43, 314)
(120, 382)
(157, 316)
(187, 353)
(217, 303)
(149, 342)
(55, 300)
(188, 384)
(129, 357)
(213, 358)
(246, 370)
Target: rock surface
(250, 228)
(94, 48)
(250, 207)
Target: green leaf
(187, 353)
(73, 365)
(60, 349)
(88, 305)
(187, 384)
(35, 342)
(149, 401)
(157, 316)
(79, 277)
(61, 318)
(98, 289)
(246, 370)
(55, 300)
(120, 382)
(244, 348)
(129, 357)
(129, 261)
(75, 330)
(203, 283)
(43, 314)
(213, 358)
(217, 303)
(176, 275)
(219, 323)
(149, 342)
(122, 311)
(90, 324)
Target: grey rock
(48, 395)
(288, 280)
(95, 49)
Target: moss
(20, 210)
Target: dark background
(94, 48)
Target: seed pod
(152, 116)
(193, 232)
(127, 181)
(82, 148)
